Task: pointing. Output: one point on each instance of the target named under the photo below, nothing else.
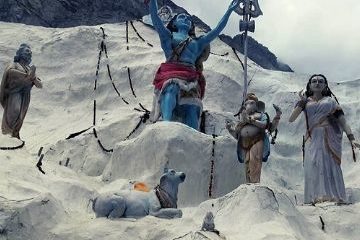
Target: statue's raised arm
(163, 32)
(210, 36)
(179, 82)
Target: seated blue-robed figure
(179, 82)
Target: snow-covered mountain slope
(56, 205)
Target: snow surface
(56, 205)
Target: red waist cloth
(176, 70)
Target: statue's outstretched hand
(234, 4)
(302, 95)
(277, 109)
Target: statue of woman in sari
(179, 82)
(325, 123)
(16, 84)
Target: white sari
(323, 175)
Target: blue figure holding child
(179, 82)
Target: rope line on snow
(146, 113)
(73, 135)
(138, 34)
(130, 82)
(143, 119)
(13, 200)
(39, 164)
(99, 142)
(113, 84)
(322, 223)
(238, 58)
(212, 167)
(220, 55)
(40, 150)
(182, 236)
(14, 148)
(127, 35)
(102, 49)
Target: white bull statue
(161, 202)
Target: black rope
(130, 82)
(98, 67)
(238, 58)
(94, 115)
(100, 144)
(146, 112)
(212, 167)
(13, 200)
(40, 150)
(113, 84)
(39, 164)
(103, 45)
(67, 162)
(241, 108)
(252, 77)
(127, 35)
(322, 223)
(13, 148)
(242, 65)
(181, 237)
(143, 108)
(73, 135)
(138, 34)
(95, 133)
(103, 148)
(220, 55)
(143, 119)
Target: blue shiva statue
(179, 82)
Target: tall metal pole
(250, 9)
(246, 16)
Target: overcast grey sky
(312, 36)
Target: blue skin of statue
(168, 100)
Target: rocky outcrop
(256, 52)
(70, 13)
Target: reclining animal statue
(161, 202)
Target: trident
(248, 9)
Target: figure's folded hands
(32, 75)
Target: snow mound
(259, 213)
(78, 169)
(143, 158)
